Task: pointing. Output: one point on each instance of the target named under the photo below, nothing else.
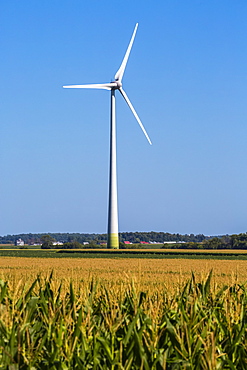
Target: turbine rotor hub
(119, 84)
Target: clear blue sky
(187, 79)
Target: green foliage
(194, 328)
(47, 242)
(227, 242)
(133, 237)
(122, 253)
(23, 247)
(159, 237)
(224, 242)
(70, 245)
(122, 245)
(135, 246)
(239, 241)
(190, 241)
(95, 244)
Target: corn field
(48, 325)
(148, 274)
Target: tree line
(132, 237)
(190, 241)
(234, 241)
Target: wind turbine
(113, 240)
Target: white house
(19, 242)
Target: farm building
(19, 242)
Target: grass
(113, 254)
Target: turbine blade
(135, 114)
(120, 72)
(108, 86)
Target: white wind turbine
(113, 241)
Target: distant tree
(92, 244)
(239, 241)
(71, 245)
(47, 242)
(214, 243)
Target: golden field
(146, 273)
(122, 313)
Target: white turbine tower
(113, 241)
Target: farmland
(145, 272)
(36, 252)
(122, 313)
